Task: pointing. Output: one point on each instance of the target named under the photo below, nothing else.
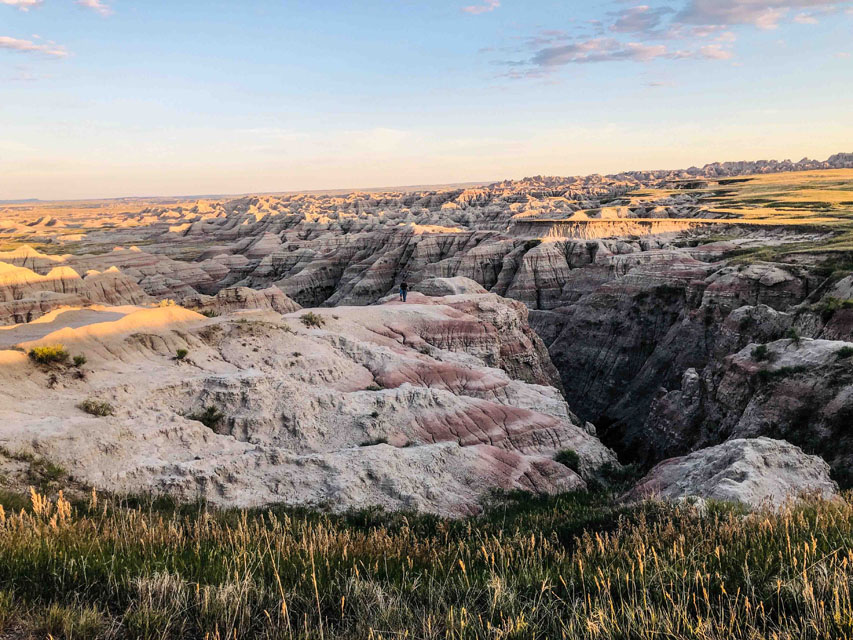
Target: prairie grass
(573, 566)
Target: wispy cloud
(28, 46)
(640, 19)
(682, 30)
(23, 5)
(805, 18)
(96, 5)
(764, 14)
(476, 9)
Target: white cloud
(805, 18)
(716, 52)
(96, 5)
(476, 9)
(23, 5)
(28, 46)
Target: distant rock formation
(26, 295)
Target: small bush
(79, 361)
(49, 355)
(373, 387)
(794, 336)
(766, 376)
(761, 353)
(210, 313)
(181, 354)
(167, 303)
(844, 352)
(615, 477)
(311, 319)
(210, 416)
(569, 458)
(97, 408)
(532, 244)
(828, 306)
(44, 473)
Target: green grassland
(573, 566)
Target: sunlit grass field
(824, 197)
(574, 566)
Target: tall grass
(568, 567)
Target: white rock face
(404, 406)
(753, 471)
(449, 286)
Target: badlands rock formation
(650, 291)
(428, 406)
(751, 471)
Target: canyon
(629, 319)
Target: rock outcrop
(241, 298)
(754, 472)
(408, 406)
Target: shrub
(844, 352)
(97, 408)
(44, 473)
(569, 458)
(766, 376)
(311, 319)
(210, 416)
(761, 353)
(49, 355)
(373, 387)
(828, 306)
(794, 336)
(167, 303)
(210, 313)
(181, 354)
(79, 361)
(532, 244)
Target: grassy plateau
(572, 566)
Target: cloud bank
(690, 30)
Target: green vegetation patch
(312, 320)
(211, 417)
(48, 355)
(570, 566)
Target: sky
(110, 98)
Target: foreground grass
(574, 566)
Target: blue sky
(103, 98)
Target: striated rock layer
(427, 406)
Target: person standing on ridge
(404, 290)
